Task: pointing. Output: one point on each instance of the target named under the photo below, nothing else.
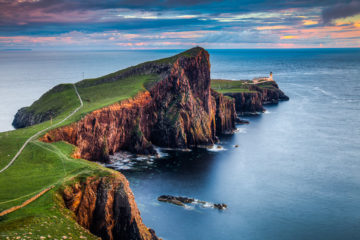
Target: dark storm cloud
(341, 10)
(132, 25)
(71, 5)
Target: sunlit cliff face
(40, 24)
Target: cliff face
(270, 94)
(107, 130)
(178, 111)
(247, 102)
(225, 112)
(106, 207)
(253, 101)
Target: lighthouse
(270, 76)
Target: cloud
(177, 24)
(307, 22)
(340, 10)
(289, 37)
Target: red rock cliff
(253, 101)
(106, 207)
(178, 111)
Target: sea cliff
(106, 207)
(251, 96)
(178, 111)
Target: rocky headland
(179, 111)
(251, 96)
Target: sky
(178, 24)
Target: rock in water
(182, 201)
(220, 206)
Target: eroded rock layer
(253, 101)
(106, 207)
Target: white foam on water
(216, 148)
(175, 149)
(208, 205)
(188, 207)
(160, 153)
(240, 130)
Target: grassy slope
(230, 86)
(62, 98)
(42, 164)
(236, 86)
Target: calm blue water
(295, 174)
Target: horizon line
(164, 49)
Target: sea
(293, 173)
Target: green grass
(50, 100)
(98, 96)
(40, 166)
(238, 86)
(42, 218)
(231, 86)
(269, 85)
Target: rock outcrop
(24, 118)
(257, 96)
(106, 207)
(178, 111)
(46, 107)
(182, 201)
(247, 102)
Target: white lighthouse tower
(271, 76)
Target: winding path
(44, 130)
(27, 202)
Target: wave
(160, 153)
(124, 160)
(325, 92)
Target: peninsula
(170, 102)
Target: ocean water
(295, 174)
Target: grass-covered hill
(97, 92)
(42, 165)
